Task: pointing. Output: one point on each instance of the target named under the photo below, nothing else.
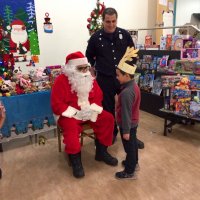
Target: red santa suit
(19, 41)
(66, 103)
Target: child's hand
(126, 136)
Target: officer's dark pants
(110, 87)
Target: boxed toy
(146, 82)
(190, 54)
(170, 81)
(196, 68)
(168, 42)
(157, 86)
(177, 42)
(194, 82)
(184, 66)
(162, 43)
(148, 40)
(180, 101)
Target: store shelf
(151, 103)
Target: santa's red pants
(103, 129)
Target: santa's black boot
(75, 160)
(103, 155)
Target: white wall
(69, 19)
(184, 9)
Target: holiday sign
(18, 28)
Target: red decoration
(95, 20)
(88, 26)
(102, 8)
(89, 20)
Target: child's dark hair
(123, 73)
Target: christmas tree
(95, 20)
(6, 59)
(2, 50)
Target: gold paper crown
(128, 56)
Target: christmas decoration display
(6, 58)
(48, 27)
(19, 43)
(18, 22)
(95, 19)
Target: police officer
(105, 49)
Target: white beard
(19, 36)
(81, 83)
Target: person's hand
(126, 136)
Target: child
(2, 119)
(128, 114)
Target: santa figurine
(75, 99)
(19, 42)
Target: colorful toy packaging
(196, 68)
(168, 42)
(184, 66)
(148, 40)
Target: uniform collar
(110, 35)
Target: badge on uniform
(120, 36)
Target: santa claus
(19, 42)
(76, 98)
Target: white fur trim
(94, 117)
(78, 61)
(70, 112)
(96, 108)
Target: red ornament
(88, 26)
(89, 20)
(92, 14)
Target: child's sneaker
(137, 167)
(124, 175)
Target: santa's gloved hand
(96, 108)
(94, 116)
(83, 115)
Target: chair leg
(59, 139)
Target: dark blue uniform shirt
(105, 50)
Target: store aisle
(170, 168)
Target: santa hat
(76, 58)
(18, 23)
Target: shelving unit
(152, 103)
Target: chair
(86, 132)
